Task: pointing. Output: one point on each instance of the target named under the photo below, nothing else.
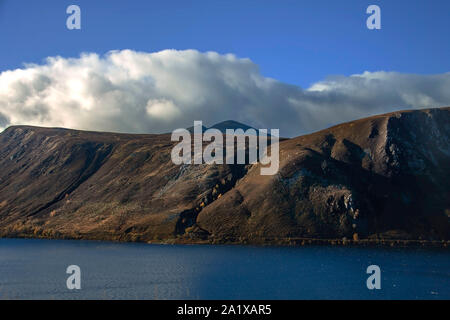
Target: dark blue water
(36, 269)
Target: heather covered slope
(386, 176)
(57, 182)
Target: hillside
(384, 177)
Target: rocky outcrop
(384, 177)
(381, 177)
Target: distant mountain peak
(224, 125)
(230, 124)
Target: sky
(300, 65)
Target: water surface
(36, 269)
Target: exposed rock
(374, 177)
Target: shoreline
(288, 242)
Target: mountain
(383, 177)
(223, 126)
(230, 124)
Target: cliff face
(386, 176)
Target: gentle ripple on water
(36, 269)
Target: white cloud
(130, 91)
(162, 109)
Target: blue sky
(297, 42)
(330, 68)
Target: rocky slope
(384, 177)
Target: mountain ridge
(383, 177)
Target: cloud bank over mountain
(129, 91)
